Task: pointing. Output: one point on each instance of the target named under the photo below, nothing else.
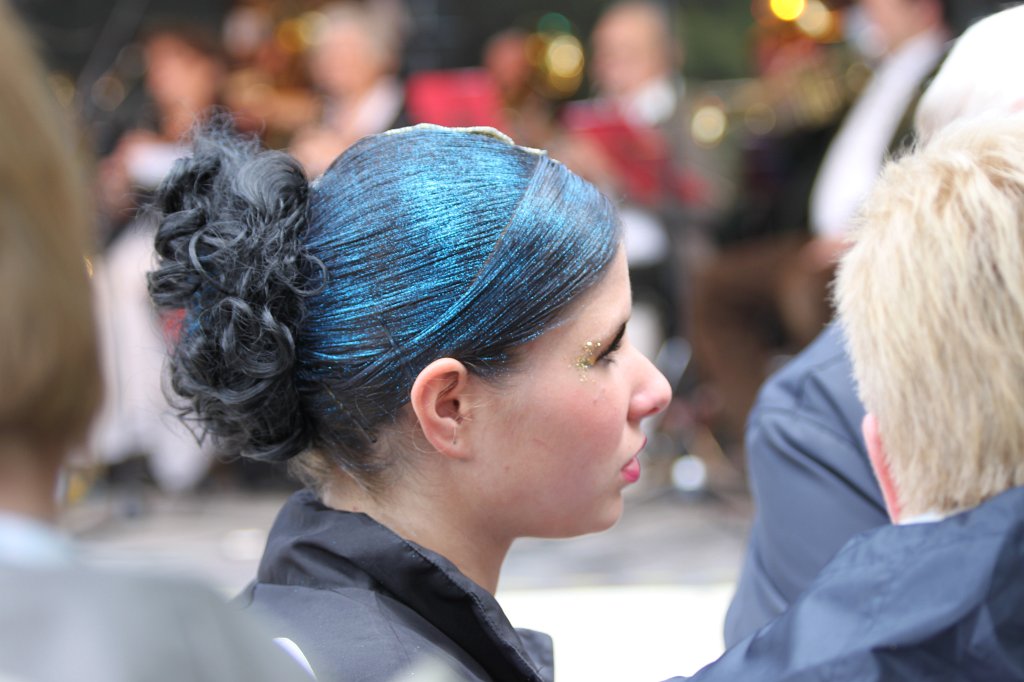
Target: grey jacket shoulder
(375, 637)
(75, 623)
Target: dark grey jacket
(364, 604)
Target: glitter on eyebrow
(587, 359)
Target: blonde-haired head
(979, 78)
(931, 297)
(49, 367)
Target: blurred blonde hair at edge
(980, 77)
(49, 366)
(931, 297)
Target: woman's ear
(880, 464)
(438, 398)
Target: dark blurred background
(450, 33)
(705, 120)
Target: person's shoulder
(116, 590)
(128, 626)
(970, 548)
(354, 631)
(816, 385)
(928, 575)
(816, 367)
(810, 409)
(939, 596)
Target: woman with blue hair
(432, 334)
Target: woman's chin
(594, 522)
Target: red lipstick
(631, 471)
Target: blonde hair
(49, 368)
(979, 78)
(931, 296)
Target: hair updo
(309, 310)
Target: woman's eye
(607, 356)
(595, 352)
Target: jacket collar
(314, 544)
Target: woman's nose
(652, 393)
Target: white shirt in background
(855, 156)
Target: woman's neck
(430, 520)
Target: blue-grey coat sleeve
(811, 481)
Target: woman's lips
(631, 469)
(631, 472)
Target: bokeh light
(788, 10)
(289, 36)
(816, 20)
(310, 26)
(107, 93)
(557, 56)
(709, 124)
(553, 22)
(564, 57)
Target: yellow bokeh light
(564, 58)
(816, 20)
(311, 26)
(289, 35)
(709, 124)
(788, 10)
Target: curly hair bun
(232, 219)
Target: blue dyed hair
(310, 310)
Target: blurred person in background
(184, 76)
(930, 298)
(532, 107)
(810, 476)
(636, 71)
(267, 87)
(433, 335)
(506, 59)
(136, 427)
(353, 64)
(527, 115)
(60, 620)
(636, 62)
(668, 184)
(742, 322)
(909, 38)
(765, 299)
